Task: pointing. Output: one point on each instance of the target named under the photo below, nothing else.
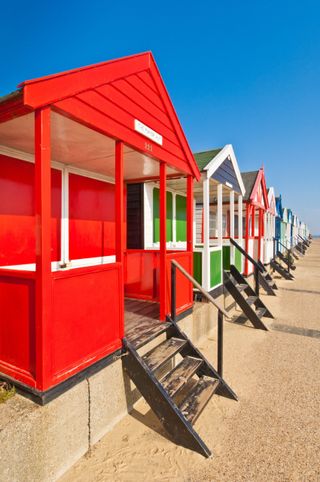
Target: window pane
(92, 217)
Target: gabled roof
(256, 190)
(249, 179)
(124, 98)
(271, 201)
(221, 164)
(279, 210)
(205, 157)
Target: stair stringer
(206, 368)
(160, 402)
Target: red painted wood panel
(138, 112)
(141, 274)
(147, 79)
(92, 217)
(184, 289)
(88, 115)
(17, 327)
(87, 318)
(130, 91)
(103, 105)
(66, 84)
(145, 90)
(141, 277)
(17, 220)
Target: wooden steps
(281, 270)
(175, 380)
(246, 298)
(140, 338)
(266, 280)
(162, 353)
(194, 404)
(182, 392)
(286, 261)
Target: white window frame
(65, 169)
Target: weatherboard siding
(226, 174)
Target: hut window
(17, 217)
(91, 218)
(181, 218)
(156, 216)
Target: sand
(271, 434)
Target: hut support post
(163, 240)
(119, 208)
(240, 222)
(43, 243)
(206, 233)
(232, 248)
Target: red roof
(112, 97)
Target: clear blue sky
(240, 72)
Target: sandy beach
(271, 434)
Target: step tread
(251, 300)
(241, 286)
(260, 312)
(159, 355)
(198, 398)
(149, 335)
(179, 375)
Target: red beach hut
(70, 144)
(255, 206)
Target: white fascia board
(26, 156)
(216, 162)
(271, 195)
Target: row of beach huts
(111, 229)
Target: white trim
(64, 233)
(65, 217)
(206, 234)
(56, 265)
(148, 188)
(25, 156)
(174, 221)
(226, 152)
(219, 213)
(232, 249)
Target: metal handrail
(221, 311)
(247, 255)
(257, 266)
(288, 254)
(199, 287)
(285, 247)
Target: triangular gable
(279, 210)
(224, 169)
(271, 201)
(259, 195)
(285, 215)
(125, 99)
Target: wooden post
(219, 213)
(220, 222)
(220, 343)
(253, 221)
(259, 233)
(163, 240)
(206, 235)
(119, 201)
(240, 224)
(190, 213)
(43, 246)
(119, 214)
(232, 248)
(247, 236)
(190, 210)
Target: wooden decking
(140, 317)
